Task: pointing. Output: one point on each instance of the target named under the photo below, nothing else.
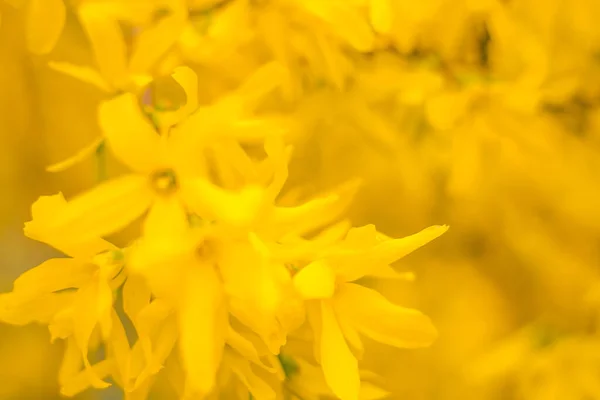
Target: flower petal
(339, 364)
(315, 281)
(45, 22)
(93, 304)
(352, 264)
(130, 135)
(136, 297)
(104, 209)
(84, 74)
(107, 42)
(390, 251)
(381, 15)
(80, 156)
(202, 338)
(151, 44)
(22, 309)
(255, 385)
(54, 275)
(344, 20)
(214, 203)
(44, 210)
(373, 315)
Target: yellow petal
(339, 364)
(46, 208)
(352, 337)
(258, 388)
(353, 265)
(315, 281)
(263, 81)
(381, 15)
(129, 134)
(214, 203)
(107, 42)
(54, 275)
(390, 251)
(243, 346)
(45, 22)
(23, 309)
(151, 44)
(93, 303)
(136, 296)
(71, 362)
(84, 74)
(188, 80)
(201, 341)
(166, 235)
(373, 315)
(368, 391)
(167, 220)
(118, 351)
(79, 382)
(387, 272)
(315, 213)
(278, 156)
(80, 156)
(155, 343)
(344, 20)
(104, 209)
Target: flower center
(164, 181)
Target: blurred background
(480, 114)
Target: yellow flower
(72, 295)
(116, 70)
(338, 309)
(165, 165)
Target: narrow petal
(151, 44)
(368, 391)
(118, 351)
(387, 272)
(381, 15)
(390, 251)
(105, 209)
(129, 134)
(258, 388)
(201, 341)
(136, 297)
(352, 337)
(315, 213)
(263, 81)
(84, 74)
(345, 20)
(22, 309)
(54, 275)
(93, 303)
(155, 343)
(339, 364)
(243, 346)
(80, 156)
(43, 211)
(188, 80)
(79, 382)
(214, 203)
(315, 281)
(107, 42)
(45, 22)
(370, 260)
(313, 316)
(374, 316)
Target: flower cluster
(237, 285)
